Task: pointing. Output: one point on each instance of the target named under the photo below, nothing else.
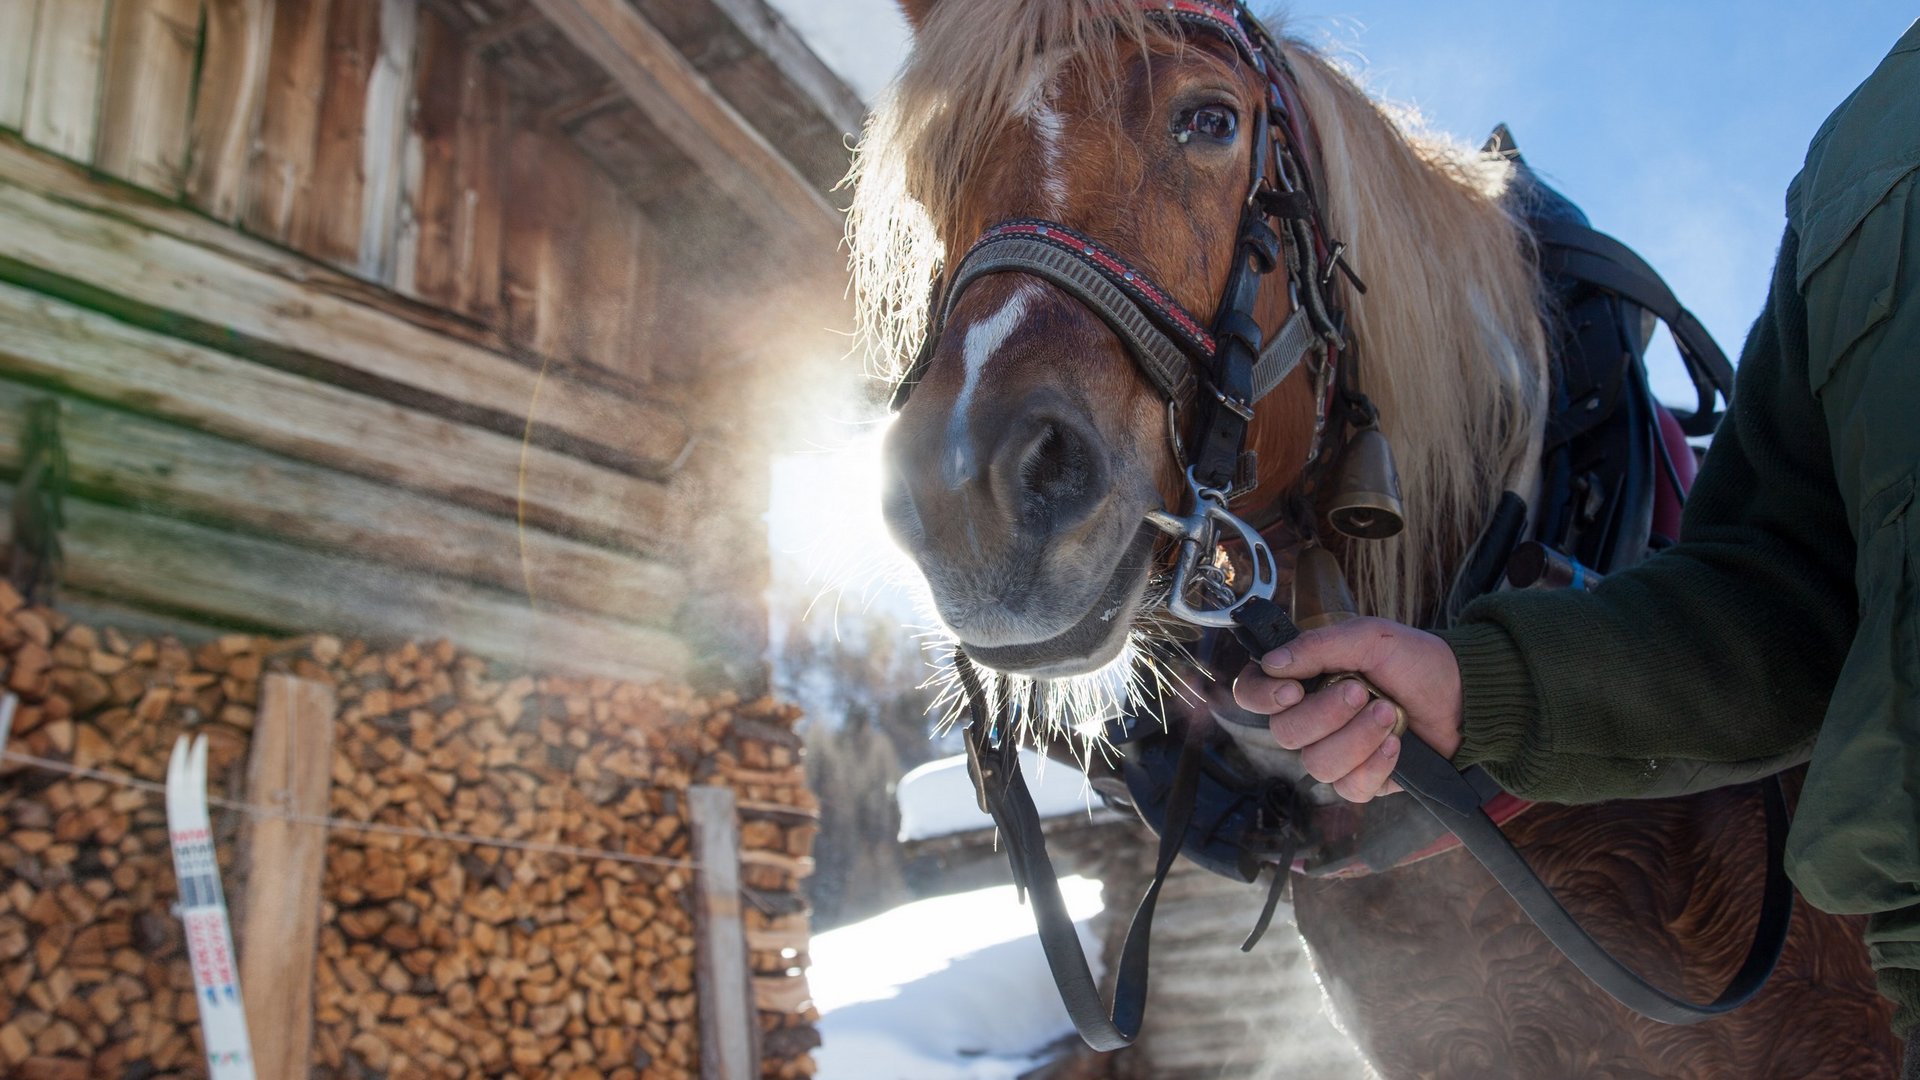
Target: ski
(203, 914)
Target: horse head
(1022, 468)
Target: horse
(1033, 446)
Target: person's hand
(1344, 736)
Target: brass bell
(1320, 593)
(1366, 497)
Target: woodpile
(566, 949)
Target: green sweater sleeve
(1712, 661)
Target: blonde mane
(1449, 340)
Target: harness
(1600, 476)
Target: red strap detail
(1110, 265)
(1220, 18)
(1668, 503)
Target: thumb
(1343, 646)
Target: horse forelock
(979, 72)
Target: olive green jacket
(1785, 626)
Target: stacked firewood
(567, 950)
(90, 954)
(482, 960)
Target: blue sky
(1675, 125)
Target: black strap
(1164, 359)
(993, 758)
(1592, 256)
(1452, 799)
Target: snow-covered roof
(937, 798)
(952, 988)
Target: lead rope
(1450, 797)
(993, 760)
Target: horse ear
(916, 12)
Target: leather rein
(1219, 371)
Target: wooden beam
(226, 111)
(53, 343)
(280, 151)
(16, 56)
(289, 767)
(63, 78)
(796, 61)
(127, 459)
(736, 158)
(157, 279)
(448, 252)
(192, 571)
(565, 113)
(383, 140)
(503, 29)
(148, 92)
(729, 1030)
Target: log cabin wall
(409, 319)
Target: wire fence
(339, 824)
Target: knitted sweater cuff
(1902, 987)
(1497, 695)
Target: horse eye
(1215, 122)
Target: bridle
(1215, 371)
(1218, 372)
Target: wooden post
(291, 768)
(729, 1030)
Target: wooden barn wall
(350, 333)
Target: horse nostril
(1059, 475)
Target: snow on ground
(937, 798)
(952, 988)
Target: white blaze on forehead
(983, 340)
(1036, 105)
(1053, 180)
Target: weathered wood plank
(282, 153)
(160, 280)
(539, 245)
(613, 285)
(63, 77)
(56, 344)
(486, 117)
(431, 191)
(147, 94)
(383, 142)
(586, 295)
(226, 112)
(289, 766)
(85, 607)
(180, 568)
(737, 158)
(123, 458)
(729, 1030)
(33, 169)
(326, 220)
(16, 56)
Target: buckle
(1199, 534)
(1234, 405)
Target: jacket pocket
(1852, 293)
